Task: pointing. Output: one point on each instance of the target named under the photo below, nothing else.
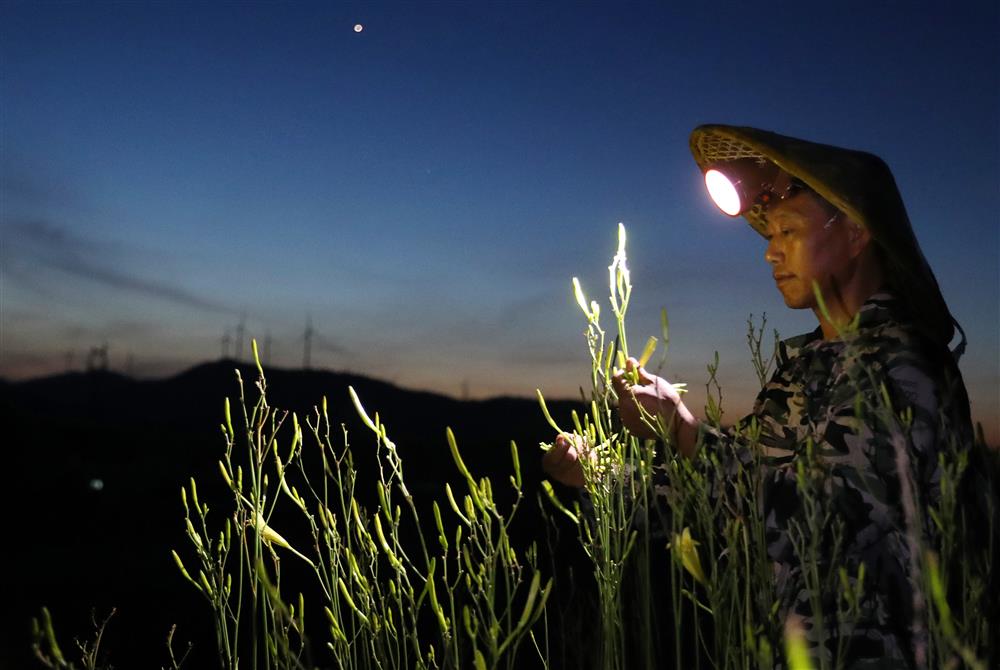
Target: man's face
(805, 245)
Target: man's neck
(845, 304)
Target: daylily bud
(687, 548)
(580, 300)
(270, 536)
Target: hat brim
(810, 162)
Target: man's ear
(857, 236)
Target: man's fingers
(618, 381)
(632, 365)
(646, 377)
(559, 455)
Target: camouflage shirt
(843, 398)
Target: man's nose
(772, 254)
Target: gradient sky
(424, 189)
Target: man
(838, 242)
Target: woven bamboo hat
(857, 183)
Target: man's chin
(796, 301)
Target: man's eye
(786, 232)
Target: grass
(311, 565)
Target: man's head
(858, 184)
(809, 240)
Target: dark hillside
(95, 463)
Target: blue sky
(424, 190)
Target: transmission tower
(240, 333)
(97, 358)
(307, 339)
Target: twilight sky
(423, 190)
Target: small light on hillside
(96, 484)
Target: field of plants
(313, 564)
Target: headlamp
(737, 186)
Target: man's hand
(656, 396)
(562, 461)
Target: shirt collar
(878, 309)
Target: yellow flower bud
(687, 548)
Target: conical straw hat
(857, 183)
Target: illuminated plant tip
(580, 299)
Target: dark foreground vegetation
(95, 463)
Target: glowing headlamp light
(736, 186)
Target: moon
(358, 27)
